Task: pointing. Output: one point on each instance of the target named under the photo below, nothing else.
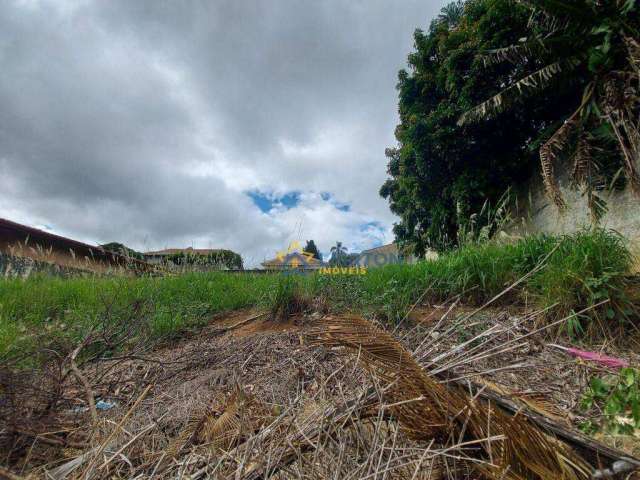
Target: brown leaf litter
(218, 401)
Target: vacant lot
(250, 376)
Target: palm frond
(582, 162)
(528, 48)
(242, 414)
(509, 447)
(633, 49)
(586, 174)
(561, 9)
(549, 153)
(557, 144)
(620, 110)
(220, 432)
(513, 54)
(597, 205)
(529, 84)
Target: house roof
(12, 232)
(173, 251)
(389, 248)
(7, 227)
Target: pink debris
(611, 362)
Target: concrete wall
(536, 213)
(23, 267)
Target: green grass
(290, 296)
(61, 311)
(583, 270)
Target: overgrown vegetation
(588, 44)
(615, 401)
(221, 259)
(587, 270)
(580, 271)
(287, 298)
(562, 83)
(43, 311)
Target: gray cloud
(146, 122)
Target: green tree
(592, 46)
(311, 248)
(121, 249)
(441, 174)
(338, 255)
(218, 259)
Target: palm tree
(452, 13)
(337, 252)
(594, 42)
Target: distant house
(384, 255)
(19, 241)
(195, 258)
(293, 261)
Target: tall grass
(588, 268)
(63, 310)
(289, 297)
(580, 271)
(576, 272)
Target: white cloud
(147, 123)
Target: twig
(83, 380)
(117, 428)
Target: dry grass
(268, 404)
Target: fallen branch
(84, 382)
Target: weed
(588, 268)
(288, 298)
(617, 400)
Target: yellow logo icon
(294, 255)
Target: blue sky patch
(328, 197)
(375, 225)
(266, 201)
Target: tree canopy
(222, 259)
(121, 249)
(339, 256)
(443, 170)
(596, 42)
(311, 248)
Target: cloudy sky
(241, 124)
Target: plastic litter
(105, 405)
(611, 362)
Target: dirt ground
(271, 360)
(274, 362)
